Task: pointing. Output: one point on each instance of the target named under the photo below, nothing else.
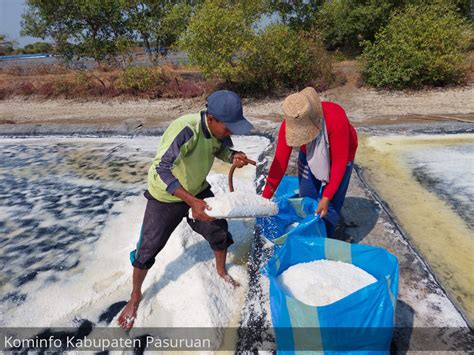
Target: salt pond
(427, 182)
(71, 212)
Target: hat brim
(300, 132)
(241, 126)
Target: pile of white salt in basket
(322, 282)
(240, 204)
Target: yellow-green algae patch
(440, 235)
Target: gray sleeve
(163, 169)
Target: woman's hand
(322, 207)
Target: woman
(327, 143)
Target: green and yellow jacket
(185, 157)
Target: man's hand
(322, 207)
(198, 208)
(239, 159)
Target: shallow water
(427, 183)
(448, 171)
(56, 195)
(71, 210)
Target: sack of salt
(239, 205)
(348, 306)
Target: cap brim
(242, 126)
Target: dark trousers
(162, 218)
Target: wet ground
(71, 212)
(447, 171)
(426, 181)
(56, 195)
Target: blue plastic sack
(295, 215)
(362, 321)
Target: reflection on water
(427, 183)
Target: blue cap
(226, 107)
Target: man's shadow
(359, 217)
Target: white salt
(322, 282)
(240, 205)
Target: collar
(204, 127)
(226, 142)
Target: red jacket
(342, 148)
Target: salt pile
(240, 204)
(322, 282)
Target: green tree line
(264, 45)
(105, 29)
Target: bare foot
(129, 313)
(227, 278)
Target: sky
(10, 21)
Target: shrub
(283, 58)
(25, 88)
(36, 69)
(345, 23)
(64, 86)
(46, 89)
(421, 45)
(37, 47)
(222, 41)
(140, 79)
(176, 87)
(216, 34)
(14, 70)
(3, 93)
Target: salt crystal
(322, 282)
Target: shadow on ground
(359, 216)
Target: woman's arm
(338, 134)
(279, 164)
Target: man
(177, 182)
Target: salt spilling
(322, 282)
(240, 205)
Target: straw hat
(303, 115)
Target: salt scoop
(238, 204)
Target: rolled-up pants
(162, 218)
